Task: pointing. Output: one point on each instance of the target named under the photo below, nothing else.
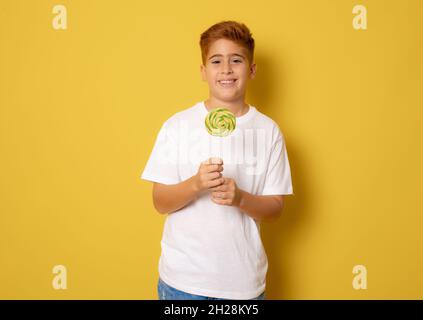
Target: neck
(237, 107)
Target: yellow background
(80, 110)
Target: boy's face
(226, 60)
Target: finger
(215, 183)
(219, 195)
(213, 175)
(213, 167)
(220, 201)
(220, 188)
(215, 160)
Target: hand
(227, 194)
(209, 174)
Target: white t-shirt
(210, 249)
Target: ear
(203, 72)
(253, 70)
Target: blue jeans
(167, 292)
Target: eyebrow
(232, 54)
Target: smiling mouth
(227, 83)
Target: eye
(214, 62)
(237, 60)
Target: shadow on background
(279, 236)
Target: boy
(216, 190)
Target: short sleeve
(162, 165)
(278, 176)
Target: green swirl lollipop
(220, 122)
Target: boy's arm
(267, 207)
(170, 198)
(259, 207)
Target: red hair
(230, 30)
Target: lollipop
(220, 122)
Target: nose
(226, 68)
